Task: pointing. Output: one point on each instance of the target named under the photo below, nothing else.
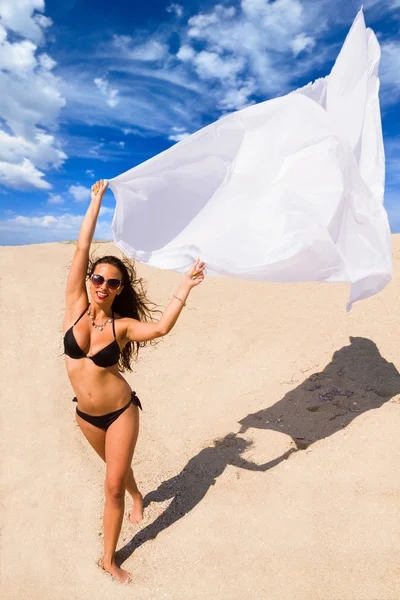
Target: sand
(269, 446)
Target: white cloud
(235, 99)
(175, 8)
(79, 193)
(280, 15)
(46, 62)
(201, 22)
(55, 199)
(121, 144)
(247, 50)
(22, 176)
(178, 137)
(260, 27)
(178, 134)
(47, 221)
(109, 93)
(22, 229)
(94, 150)
(151, 50)
(43, 21)
(302, 42)
(90, 172)
(30, 99)
(133, 131)
(209, 65)
(21, 17)
(186, 53)
(122, 43)
(18, 57)
(40, 150)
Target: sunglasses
(112, 284)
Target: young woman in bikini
(101, 337)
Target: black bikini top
(106, 357)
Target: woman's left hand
(99, 189)
(195, 275)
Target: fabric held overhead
(290, 189)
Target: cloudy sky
(89, 89)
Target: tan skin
(102, 390)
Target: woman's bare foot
(136, 514)
(120, 574)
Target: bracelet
(180, 300)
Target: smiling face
(103, 295)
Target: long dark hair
(131, 302)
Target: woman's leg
(120, 441)
(94, 435)
(97, 438)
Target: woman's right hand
(99, 189)
(195, 275)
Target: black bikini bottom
(104, 421)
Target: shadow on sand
(357, 379)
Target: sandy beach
(268, 452)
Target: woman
(100, 339)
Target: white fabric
(286, 190)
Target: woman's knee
(115, 490)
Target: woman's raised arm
(138, 331)
(76, 288)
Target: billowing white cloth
(290, 189)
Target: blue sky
(89, 89)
